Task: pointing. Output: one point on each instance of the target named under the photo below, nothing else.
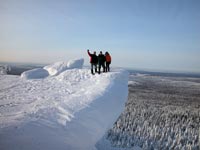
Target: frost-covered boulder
(4, 69)
(58, 67)
(35, 74)
(75, 63)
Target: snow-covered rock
(58, 67)
(70, 111)
(35, 74)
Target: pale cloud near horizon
(26, 56)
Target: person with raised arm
(93, 61)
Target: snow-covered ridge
(72, 105)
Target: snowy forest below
(161, 113)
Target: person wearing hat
(93, 61)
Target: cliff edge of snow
(70, 110)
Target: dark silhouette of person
(108, 61)
(93, 61)
(101, 61)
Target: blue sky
(141, 34)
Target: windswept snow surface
(71, 110)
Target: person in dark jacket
(93, 61)
(108, 61)
(101, 61)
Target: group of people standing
(101, 60)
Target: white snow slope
(71, 110)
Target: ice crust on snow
(70, 110)
(58, 67)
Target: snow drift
(53, 69)
(35, 74)
(70, 110)
(59, 67)
(76, 63)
